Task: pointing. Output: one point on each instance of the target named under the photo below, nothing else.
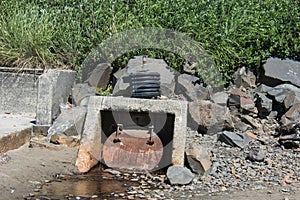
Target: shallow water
(96, 184)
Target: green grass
(51, 33)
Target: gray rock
(100, 76)
(291, 99)
(244, 78)
(279, 71)
(279, 93)
(179, 175)
(220, 98)
(256, 155)
(191, 90)
(208, 117)
(167, 76)
(251, 121)
(263, 104)
(198, 158)
(241, 101)
(69, 122)
(292, 115)
(239, 125)
(262, 88)
(81, 91)
(234, 139)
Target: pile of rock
(247, 115)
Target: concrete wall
(18, 93)
(35, 95)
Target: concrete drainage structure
(168, 118)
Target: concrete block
(54, 88)
(90, 150)
(18, 93)
(69, 122)
(80, 92)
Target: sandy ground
(30, 167)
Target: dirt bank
(29, 167)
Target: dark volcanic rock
(207, 117)
(279, 71)
(234, 139)
(241, 101)
(100, 76)
(189, 86)
(292, 115)
(291, 99)
(263, 104)
(280, 92)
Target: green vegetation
(55, 33)
(105, 92)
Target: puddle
(95, 184)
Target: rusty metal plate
(131, 150)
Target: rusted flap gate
(133, 149)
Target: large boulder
(208, 117)
(100, 76)
(278, 71)
(189, 87)
(280, 92)
(139, 63)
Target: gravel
(231, 170)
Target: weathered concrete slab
(90, 150)
(18, 93)
(69, 122)
(15, 131)
(54, 88)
